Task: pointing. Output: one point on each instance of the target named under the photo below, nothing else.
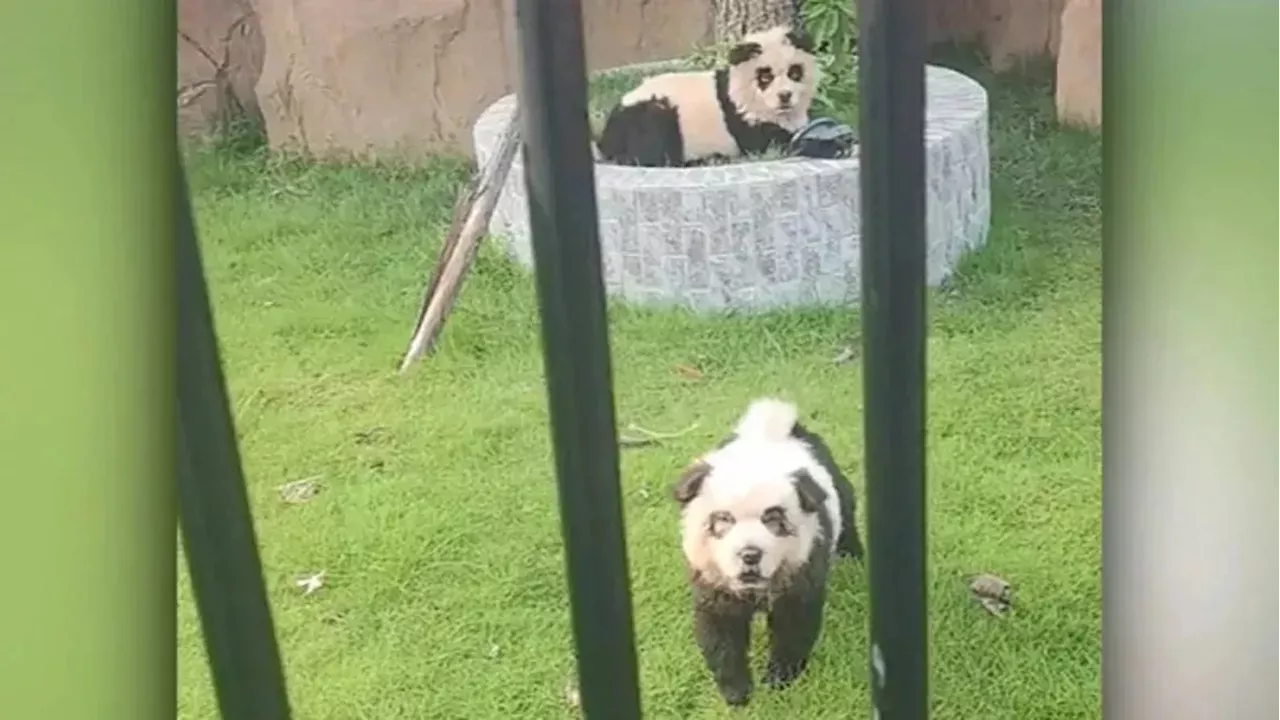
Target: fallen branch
(470, 220)
(641, 437)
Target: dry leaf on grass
(688, 372)
(636, 436)
(845, 356)
(311, 583)
(993, 593)
(371, 435)
(300, 491)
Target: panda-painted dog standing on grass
(763, 517)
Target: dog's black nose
(784, 97)
(750, 555)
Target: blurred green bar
(87, 511)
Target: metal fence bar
(217, 529)
(891, 82)
(560, 177)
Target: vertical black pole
(560, 177)
(891, 82)
(217, 529)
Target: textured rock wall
(1011, 31)
(1079, 83)
(411, 76)
(341, 77)
(220, 52)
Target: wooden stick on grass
(470, 220)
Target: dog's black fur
(722, 619)
(752, 138)
(848, 544)
(647, 134)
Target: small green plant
(833, 25)
(710, 56)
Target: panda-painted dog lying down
(755, 104)
(763, 516)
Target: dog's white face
(747, 520)
(772, 77)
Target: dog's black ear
(690, 482)
(800, 40)
(743, 52)
(811, 494)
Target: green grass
(605, 90)
(439, 532)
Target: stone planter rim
(771, 233)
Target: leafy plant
(833, 25)
(710, 55)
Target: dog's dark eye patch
(764, 77)
(775, 519)
(796, 73)
(718, 523)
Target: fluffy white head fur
(747, 520)
(772, 80)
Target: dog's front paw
(779, 675)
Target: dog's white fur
(749, 475)
(778, 55)
(703, 127)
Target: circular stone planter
(761, 235)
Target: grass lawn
(437, 524)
